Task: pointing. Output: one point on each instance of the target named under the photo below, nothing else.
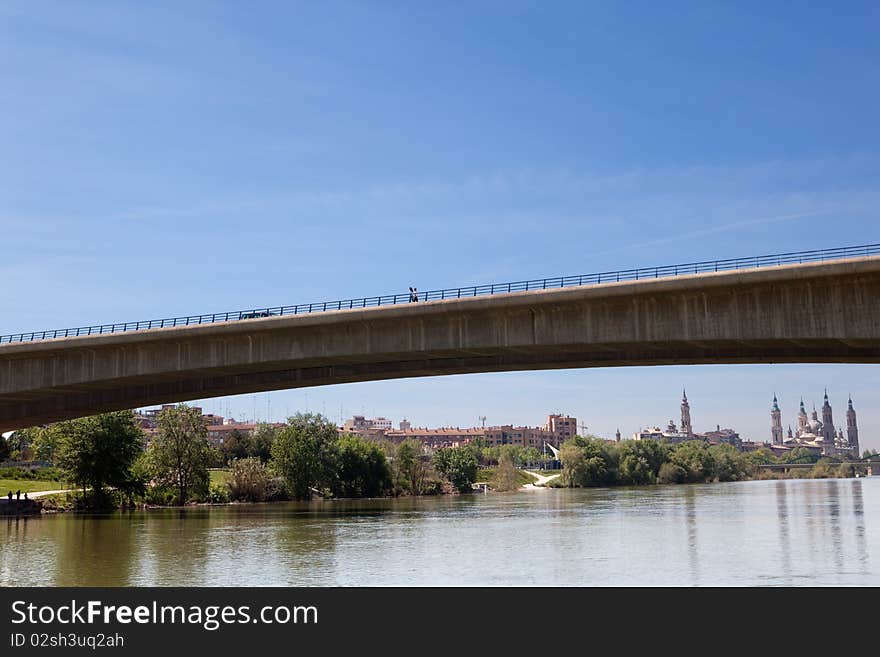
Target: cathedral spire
(686, 427)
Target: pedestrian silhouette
(18, 494)
(25, 495)
(413, 294)
(9, 495)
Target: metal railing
(462, 292)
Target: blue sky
(171, 158)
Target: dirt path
(542, 479)
(44, 493)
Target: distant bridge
(818, 306)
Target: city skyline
(508, 398)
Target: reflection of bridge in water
(821, 306)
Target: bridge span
(818, 312)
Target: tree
(761, 456)
(303, 453)
(236, 446)
(670, 473)
(588, 461)
(19, 445)
(260, 444)
(694, 457)
(5, 451)
(801, 455)
(361, 468)
(506, 477)
(729, 464)
(640, 461)
(458, 465)
(180, 454)
(44, 442)
(410, 469)
(573, 462)
(100, 451)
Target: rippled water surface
(799, 532)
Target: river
(797, 532)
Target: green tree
(179, 455)
(640, 461)
(800, 455)
(5, 451)
(506, 477)
(236, 446)
(100, 451)
(671, 473)
(588, 461)
(19, 445)
(761, 456)
(529, 456)
(304, 452)
(695, 458)
(410, 468)
(45, 442)
(361, 468)
(573, 462)
(458, 465)
(729, 464)
(261, 440)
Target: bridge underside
(822, 313)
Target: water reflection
(782, 522)
(797, 532)
(859, 517)
(690, 506)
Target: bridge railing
(642, 273)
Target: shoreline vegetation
(103, 460)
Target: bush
(671, 473)
(43, 474)
(218, 494)
(458, 465)
(249, 481)
(160, 496)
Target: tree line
(590, 461)
(109, 460)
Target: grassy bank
(219, 477)
(488, 475)
(28, 485)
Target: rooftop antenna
(583, 429)
(483, 420)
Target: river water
(797, 532)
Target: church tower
(827, 422)
(686, 415)
(852, 431)
(776, 422)
(802, 419)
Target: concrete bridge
(816, 312)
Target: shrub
(218, 494)
(249, 480)
(671, 473)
